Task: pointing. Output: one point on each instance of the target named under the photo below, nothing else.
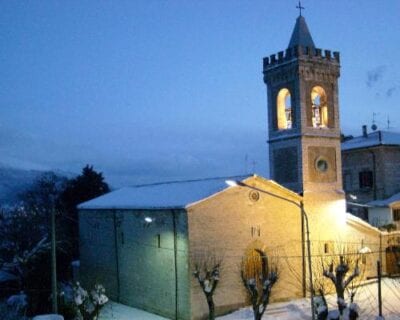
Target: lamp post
(300, 205)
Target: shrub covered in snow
(18, 301)
(14, 308)
(79, 304)
(348, 312)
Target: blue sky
(150, 90)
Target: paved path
(117, 311)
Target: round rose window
(321, 164)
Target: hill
(14, 181)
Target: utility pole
(53, 262)
(378, 265)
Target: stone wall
(386, 167)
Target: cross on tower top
(300, 7)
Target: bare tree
(338, 275)
(336, 269)
(343, 271)
(207, 269)
(259, 276)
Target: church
(142, 242)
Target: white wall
(379, 216)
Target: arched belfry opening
(284, 109)
(319, 107)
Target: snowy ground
(118, 311)
(293, 310)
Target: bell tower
(303, 115)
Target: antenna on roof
(388, 122)
(374, 126)
(254, 163)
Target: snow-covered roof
(164, 195)
(385, 202)
(353, 220)
(371, 140)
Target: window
(396, 214)
(256, 231)
(319, 107)
(321, 164)
(158, 239)
(284, 109)
(363, 258)
(347, 181)
(366, 179)
(328, 247)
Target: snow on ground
(367, 298)
(49, 317)
(117, 311)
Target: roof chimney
(364, 131)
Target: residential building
(371, 170)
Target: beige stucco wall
(222, 225)
(329, 223)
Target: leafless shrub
(207, 268)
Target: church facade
(143, 242)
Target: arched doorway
(393, 260)
(255, 263)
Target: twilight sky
(152, 90)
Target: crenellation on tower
(300, 52)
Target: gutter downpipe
(303, 256)
(374, 172)
(175, 261)
(303, 213)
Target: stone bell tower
(303, 115)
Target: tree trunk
(340, 295)
(257, 315)
(211, 307)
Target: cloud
(375, 75)
(391, 91)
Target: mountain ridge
(14, 181)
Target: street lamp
(300, 205)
